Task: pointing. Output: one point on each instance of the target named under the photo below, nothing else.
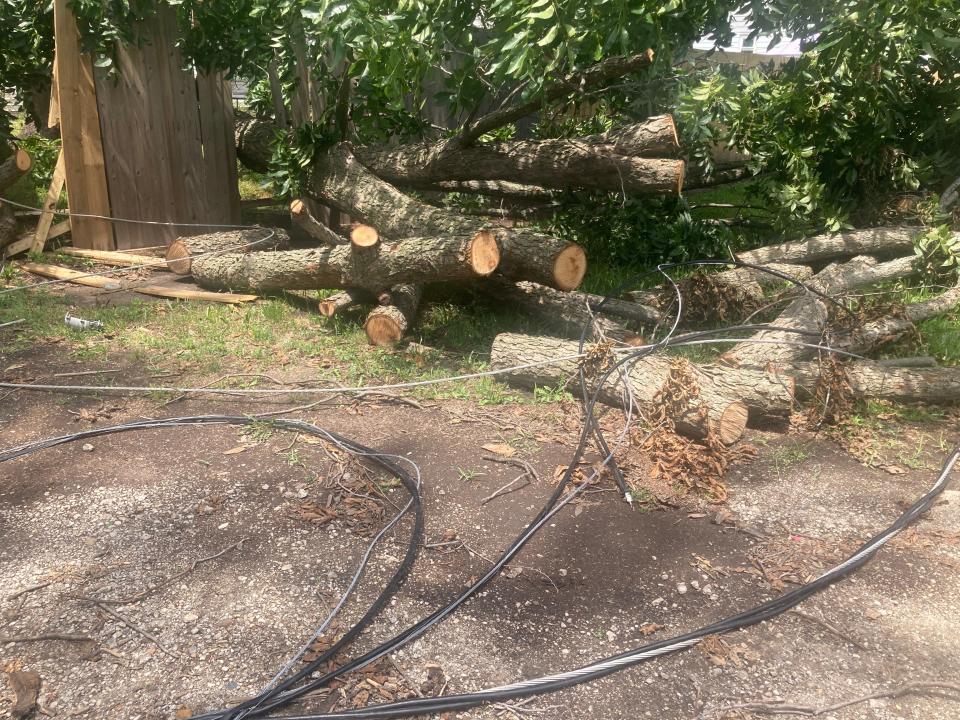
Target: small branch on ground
(66, 637)
(943, 689)
(829, 626)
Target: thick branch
(386, 324)
(623, 160)
(413, 260)
(832, 246)
(591, 78)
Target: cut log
(101, 281)
(365, 241)
(570, 312)
(877, 381)
(119, 259)
(728, 395)
(184, 251)
(809, 313)
(893, 327)
(618, 161)
(341, 302)
(313, 227)
(833, 246)
(14, 167)
(412, 260)
(341, 181)
(387, 324)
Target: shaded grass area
(272, 333)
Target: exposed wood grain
(80, 132)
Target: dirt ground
(133, 509)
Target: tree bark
(620, 161)
(808, 313)
(874, 380)
(182, 253)
(341, 302)
(822, 248)
(300, 214)
(8, 226)
(570, 312)
(14, 167)
(887, 329)
(387, 324)
(413, 260)
(727, 394)
(338, 179)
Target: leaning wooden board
(100, 281)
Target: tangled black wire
(284, 691)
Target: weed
(468, 475)
(557, 393)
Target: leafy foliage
(869, 109)
(26, 51)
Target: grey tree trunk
(833, 246)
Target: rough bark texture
(300, 214)
(414, 260)
(8, 226)
(809, 313)
(386, 324)
(753, 282)
(14, 167)
(875, 380)
(822, 248)
(183, 252)
(890, 328)
(565, 312)
(570, 312)
(767, 397)
(622, 161)
(341, 302)
(340, 180)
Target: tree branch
(588, 79)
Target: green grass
(254, 186)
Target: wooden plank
(53, 113)
(80, 131)
(62, 228)
(49, 205)
(100, 281)
(120, 259)
(219, 153)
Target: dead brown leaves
(721, 653)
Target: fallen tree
(719, 399)
(412, 260)
(14, 167)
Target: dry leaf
(501, 449)
(894, 469)
(235, 451)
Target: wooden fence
(147, 141)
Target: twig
(522, 464)
(948, 690)
(484, 557)
(30, 589)
(66, 637)
(829, 626)
(136, 628)
(411, 683)
(84, 372)
(12, 322)
(150, 590)
(505, 489)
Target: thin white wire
(390, 386)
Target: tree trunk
(341, 302)
(808, 314)
(822, 248)
(340, 180)
(617, 161)
(8, 226)
(14, 167)
(752, 282)
(183, 252)
(570, 312)
(874, 380)
(413, 260)
(727, 394)
(387, 324)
